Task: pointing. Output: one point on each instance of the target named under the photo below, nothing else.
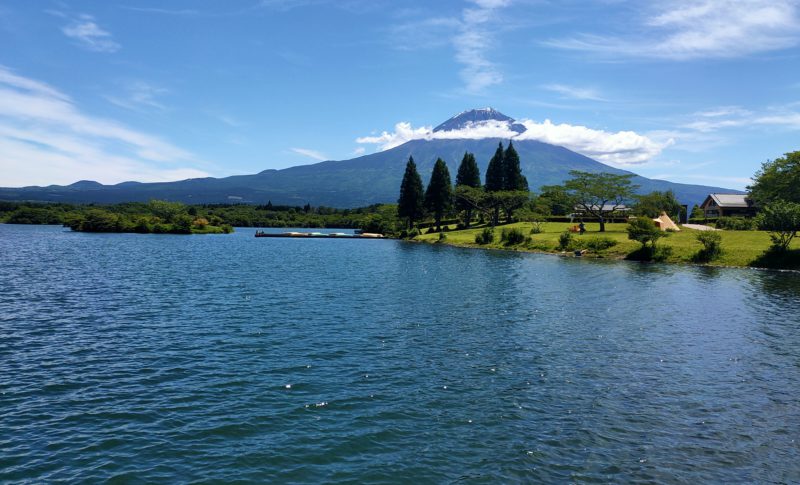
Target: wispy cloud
(618, 148)
(688, 29)
(470, 32)
(140, 96)
(717, 119)
(85, 31)
(311, 154)
(46, 139)
(472, 44)
(574, 92)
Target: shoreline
(678, 254)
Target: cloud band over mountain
(616, 148)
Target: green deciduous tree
(654, 203)
(782, 220)
(554, 200)
(410, 204)
(439, 194)
(777, 179)
(599, 194)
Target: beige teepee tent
(664, 222)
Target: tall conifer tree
(439, 195)
(513, 178)
(468, 175)
(494, 172)
(468, 172)
(410, 203)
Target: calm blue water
(150, 358)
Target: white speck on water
(288, 386)
(494, 370)
(321, 404)
(469, 421)
(444, 387)
(643, 460)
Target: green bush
(537, 227)
(442, 237)
(736, 224)
(712, 246)
(661, 253)
(565, 240)
(512, 236)
(782, 220)
(485, 237)
(644, 230)
(599, 244)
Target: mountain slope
(361, 181)
(349, 183)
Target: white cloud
(619, 148)
(471, 34)
(688, 29)
(734, 117)
(574, 92)
(45, 139)
(140, 96)
(472, 43)
(311, 154)
(359, 151)
(89, 35)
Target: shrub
(782, 220)
(442, 237)
(512, 236)
(600, 244)
(736, 224)
(661, 253)
(537, 227)
(712, 246)
(644, 230)
(412, 233)
(565, 240)
(485, 237)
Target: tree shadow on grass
(777, 259)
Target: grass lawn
(739, 248)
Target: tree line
(506, 189)
(173, 217)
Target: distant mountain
(473, 117)
(359, 181)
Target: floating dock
(321, 235)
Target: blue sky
(115, 90)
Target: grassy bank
(739, 248)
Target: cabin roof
(729, 200)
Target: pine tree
(495, 172)
(439, 195)
(468, 176)
(512, 172)
(409, 205)
(468, 172)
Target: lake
(159, 358)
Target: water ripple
(217, 358)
